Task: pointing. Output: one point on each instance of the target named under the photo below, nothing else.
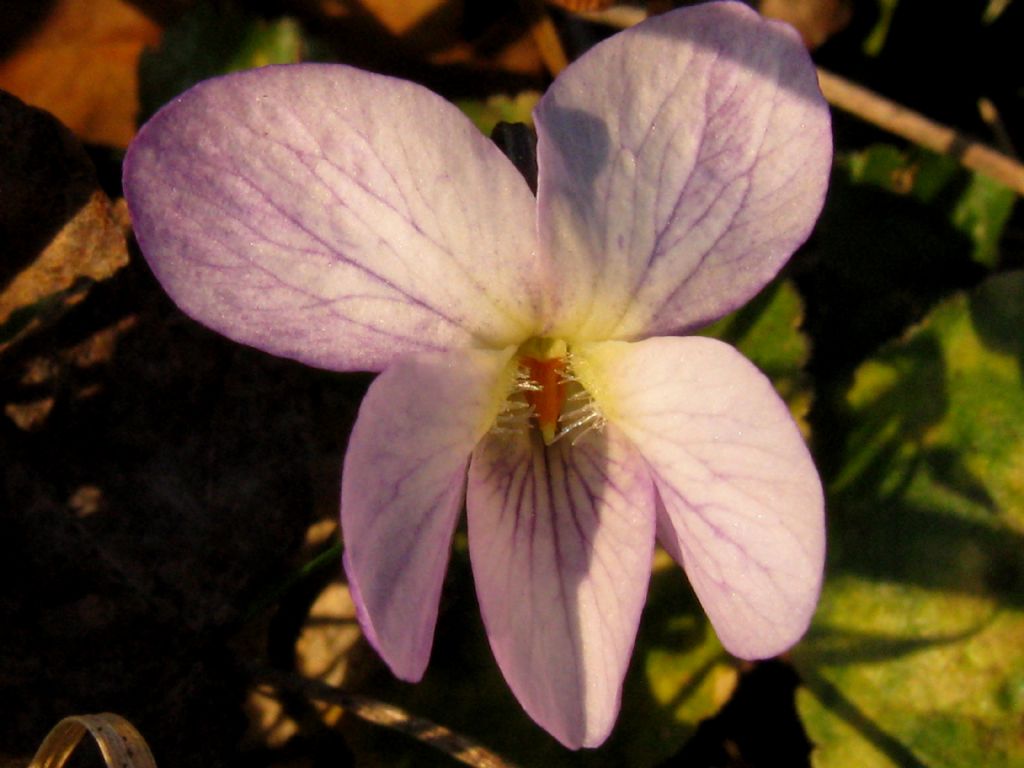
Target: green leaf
(876, 39)
(487, 113)
(916, 172)
(209, 41)
(981, 213)
(975, 205)
(768, 331)
(680, 674)
(916, 656)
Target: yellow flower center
(547, 393)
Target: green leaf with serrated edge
(916, 654)
(209, 41)
(487, 113)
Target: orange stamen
(548, 398)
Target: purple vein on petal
(332, 305)
(315, 167)
(665, 214)
(402, 491)
(331, 250)
(561, 571)
(741, 502)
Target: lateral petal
(681, 163)
(402, 491)
(561, 540)
(334, 216)
(741, 505)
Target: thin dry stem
(459, 747)
(919, 129)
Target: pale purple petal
(741, 502)
(402, 491)
(335, 216)
(561, 540)
(680, 165)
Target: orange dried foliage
(401, 17)
(91, 247)
(81, 66)
(815, 20)
(583, 5)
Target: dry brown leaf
(29, 416)
(89, 248)
(327, 637)
(48, 372)
(270, 724)
(120, 744)
(328, 634)
(400, 16)
(81, 66)
(815, 20)
(98, 348)
(60, 232)
(519, 56)
(583, 5)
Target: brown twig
(459, 747)
(886, 114)
(990, 115)
(917, 128)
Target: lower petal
(741, 505)
(561, 539)
(402, 491)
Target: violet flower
(357, 222)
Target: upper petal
(335, 216)
(561, 539)
(741, 502)
(402, 490)
(681, 162)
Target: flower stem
(459, 747)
